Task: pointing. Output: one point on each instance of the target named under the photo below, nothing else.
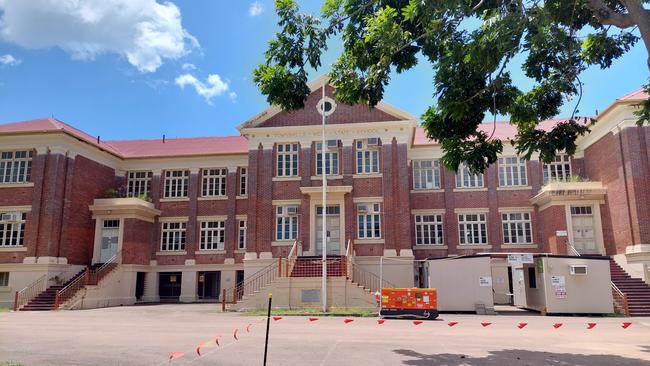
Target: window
(512, 172)
(173, 236)
(212, 235)
(138, 184)
(12, 228)
(331, 158)
(581, 210)
(465, 178)
(367, 156)
(286, 223)
(426, 174)
(4, 279)
(243, 181)
(111, 224)
(214, 182)
(532, 279)
(176, 182)
(557, 170)
(15, 166)
(516, 228)
(428, 229)
(241, 243)
(472, 229)
(369, 220)
(287, 160)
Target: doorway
(139, 285)
(169, 288)
(333, 235)
(110, 238)
(583, 227)
(209, 285)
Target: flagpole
(324, 217)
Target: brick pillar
(192, 228)
(253, 183)
(491, 181)
(232, 234)
(388, 216)
(39, 163)
(156, 191)
(347, 162)
(307, 169)
(66, 213)
(403, 203)
(450, 220)
(49, 231)
(635, 153)
(265, 216)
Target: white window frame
(558, 170)
(367, 157)
(243, 181)
(16, 166)
(172, 236)
(212, 235)
(287, 164)
(426, 177)
(429, 229)
(213, 182)
(369, 223)
(176, 183)
(332, 160)
(286, 225)
(138, 183)
(512, 172)
(519, 224)
(465, 179)
(241, 234)
(12, 231)
(472, 228)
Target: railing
(96, 275)
(367, 279)
(88, 277)
(256, 282)
(619, 298)
(349, 259)
(30, 292)
(296, 251)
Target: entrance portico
(335, 207)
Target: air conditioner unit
(292, 210)
(10, 216)
(578, 269)
(332, 144)
(362, 208)
(373, 141)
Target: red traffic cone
(276, 318)
(313, 319)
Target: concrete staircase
(46, 299)
(637, 291)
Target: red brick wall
(136, 241)
(344, 113)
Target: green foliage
(644, 112)
(470, 44)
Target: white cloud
(9, 60)
(145, 32)
(233, 97)
(214, 86)
(188, 66)
(255, 9)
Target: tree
(471, 45)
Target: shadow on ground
(516, 358)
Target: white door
(333, 230)
(518, 287)
(110, 236)
(584, 236)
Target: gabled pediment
(309, 115)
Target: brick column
(156, 187)
(450, 230)
(39, 163)
(491, 181)
(192, 229)
(402, 189)
(388, 215)
(347, 162)
(52, 205)
(231, 232)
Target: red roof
(640, 94)
(502, 131)
(136, 148)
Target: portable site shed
(545, 283)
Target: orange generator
(409, 303)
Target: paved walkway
(146, 335)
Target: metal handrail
(252, 284)
(296, 248)
(368, 279)
(98, 274)
(30, 292)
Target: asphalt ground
(147, 335)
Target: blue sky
(115, 87)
